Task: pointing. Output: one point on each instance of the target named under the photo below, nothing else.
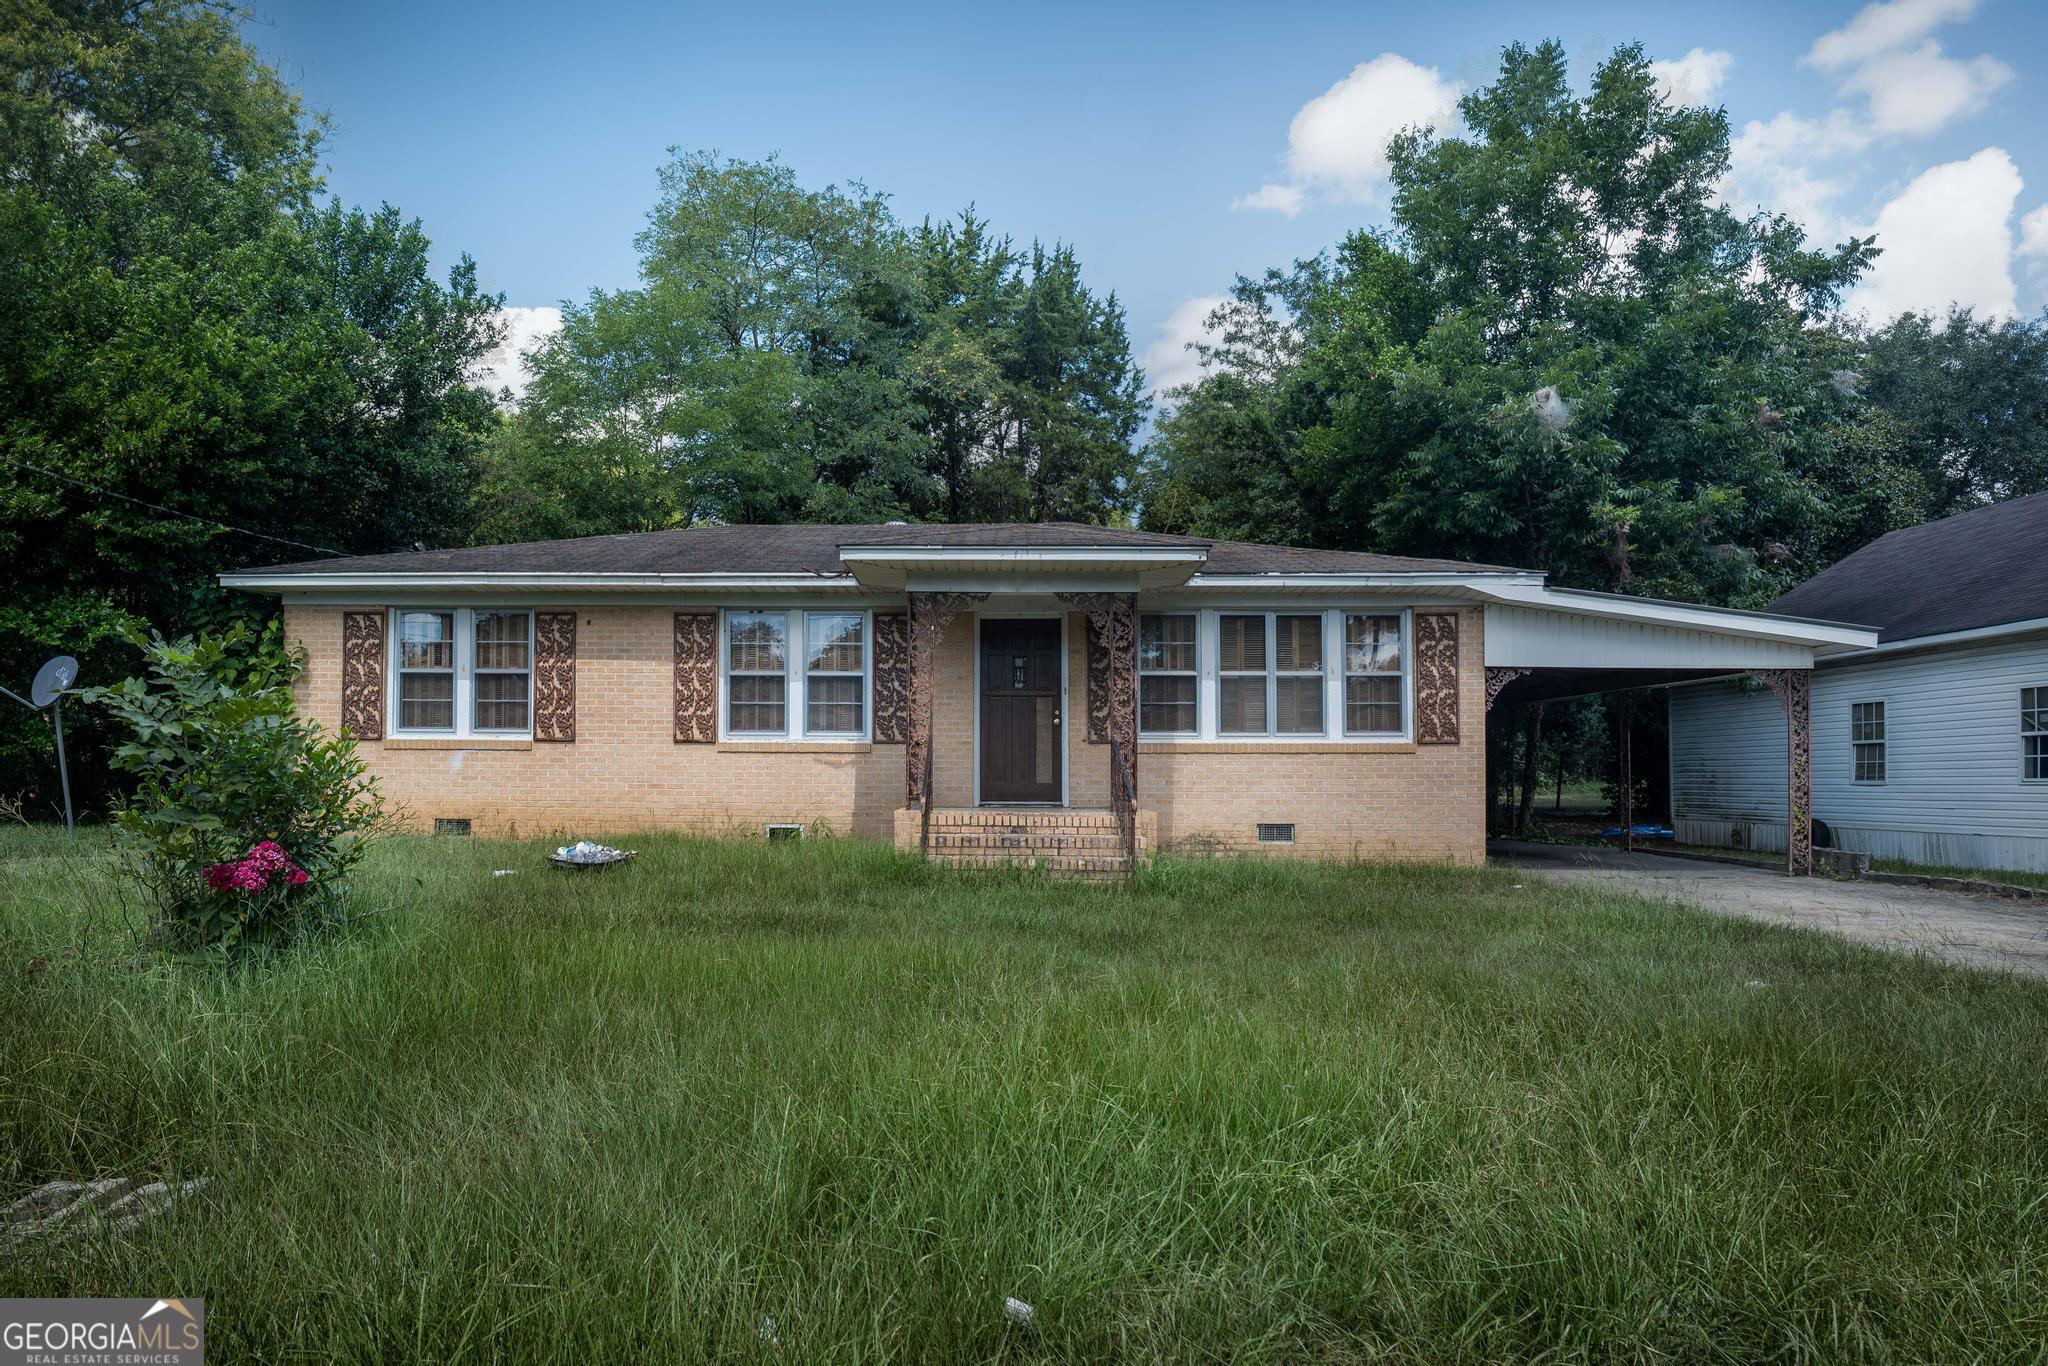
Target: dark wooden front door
(1022, 751)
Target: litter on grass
(1018, 1311)
(588, 854)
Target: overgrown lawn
(820, 1102)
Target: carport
(1547, 644)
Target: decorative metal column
(1794, 688)
(1113, 618)
(929, 614)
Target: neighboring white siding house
(1920, 749)
(1953, 789)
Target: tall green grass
(1234, 1110)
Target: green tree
(794, 354)
(192, 339)
(1965, 401)
(1565, 354)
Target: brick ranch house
(985, 691)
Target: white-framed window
(789, 673)
(459, 671)
(1271, 675)
(1168, 677)
(2034, 734)
(1867, 740)
(1275, 674)
(835, 673)
(757, 673)
(1374, 691)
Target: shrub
(246, 819)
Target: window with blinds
(1168, 684)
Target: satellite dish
(53, 678)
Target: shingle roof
(815, 550)
(1985, 567)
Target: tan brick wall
(623, 773)
(1411, 802)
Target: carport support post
(1794, 688)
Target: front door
(1021, 750)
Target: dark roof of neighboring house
(1985, 567)
(815, 550)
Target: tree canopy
(1564, 353)
(193, 338)
(797, 355)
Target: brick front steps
(1072, 843)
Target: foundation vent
(455, 825)
(1271, 832)
(784, 832)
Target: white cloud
(1287, 199)
(1945, 239)
(1337, 143)
(1887, 55)
(2034, 234)
(1883, 27)
(1693, 78)
(1774, 165)
(1168, 361)
(1917, 92)
(525, 328)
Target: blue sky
(1173, 145)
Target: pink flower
(253, 871)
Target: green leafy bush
(246, 819)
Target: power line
(173, 512)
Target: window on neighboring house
(426, 671)
(1866, 737)
(2034, 734)
(835, 672)
(1167, 686)
(462, 671)
(1372, 675)
(757, 672)
(504, 670)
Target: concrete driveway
(1978, 931)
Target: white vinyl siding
(1955, 789)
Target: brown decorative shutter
(1436, 678)
(1098, 686)
(892, 678)
(696, 678)
(362, 675)
(554, 676)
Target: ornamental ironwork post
(929, 615)
(1794, 689)
(1113, 618)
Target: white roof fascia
(1824, 637)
